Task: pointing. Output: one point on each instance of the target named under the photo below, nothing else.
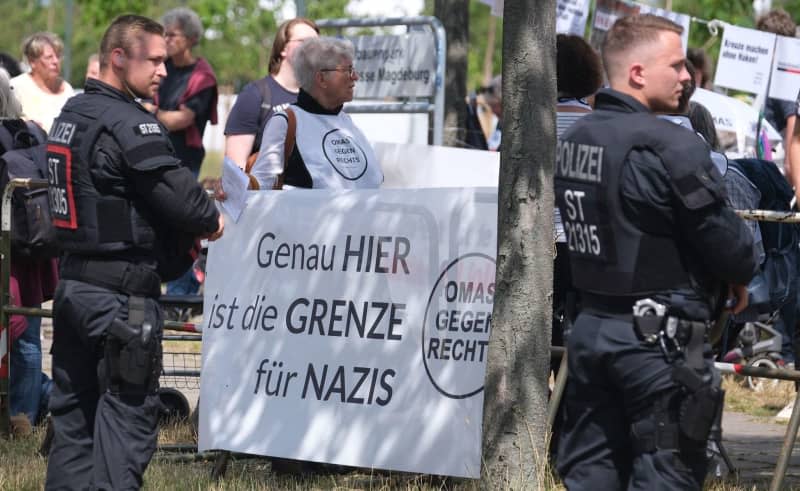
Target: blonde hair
(33, 45)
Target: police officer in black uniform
(127, 214)
(652, 246)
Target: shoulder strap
(262, 84)
(288, 146)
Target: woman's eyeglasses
(349, 70)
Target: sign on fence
(395, 66)
(352, 328)
(786, 69)
(745, 59)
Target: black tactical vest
(610, 255)
(109, 220)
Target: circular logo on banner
(344, 154)
(456, 327)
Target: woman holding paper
(314, 143)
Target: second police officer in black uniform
(651, 246)
(126, 213)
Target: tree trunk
(515, 405)
(454, 15)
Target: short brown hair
(578, 68)
(124, 32)
(629, 33)
(777, 21)
(33, 45)
(282, 37)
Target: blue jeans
(185, 285)
(30, 388)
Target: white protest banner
(571, 16)
(395, 66)
(745, 59)
(785, 82)
(352, 328)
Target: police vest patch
(579, 190)
(59, 179)
(145, 129)
(62, 132)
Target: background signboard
(786, 69)
(745, 60)
(395, 66)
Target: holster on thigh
(682, 416)
(132, 352)
(701, 404)
(658, 430)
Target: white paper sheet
(234, 183)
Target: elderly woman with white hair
(314, 143)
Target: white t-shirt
(37, 105)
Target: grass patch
(22, 469)
(765, 403)
(182, 346)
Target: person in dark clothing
(260, 100)
(186, 102)
(126, 214)
(187, 97)
(652, 248)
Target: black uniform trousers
(616, 382)
(103, 439)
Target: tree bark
(515, 404)
(454, 15)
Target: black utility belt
(653, 326)
(120, 276)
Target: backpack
(774, 284)
(25, 156)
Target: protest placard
(785, 82)
(395, 66)
(352, 328)
(571, 16)
(745, 59)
